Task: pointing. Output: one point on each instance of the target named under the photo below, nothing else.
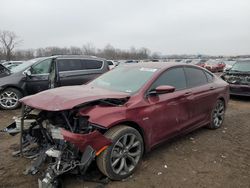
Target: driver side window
(173, 77)
(42, 67)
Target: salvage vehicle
(214, 65)
(228, 65)
(238, 78)
(43, 73)
(116, 118)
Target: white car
(112, 64)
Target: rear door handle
(212, 88)
(188, 93)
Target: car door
(168, 112)
(200, 87)
(38, 79)
(78, 71)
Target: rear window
(92, 64)
(195, 77)
(110, 63)
(78, 64)
(69, 65)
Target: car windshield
(243, 66)
(229, 62)
(25, 65)
(124, 79)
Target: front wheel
(9, 99)
(121, 158)
(217, 116)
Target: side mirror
(162, 90)
(28, 73)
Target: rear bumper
(240, 90)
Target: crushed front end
(63, 140)
(239, 83)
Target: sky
(212, 27)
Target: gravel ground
(204, 158)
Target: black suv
(43, 73)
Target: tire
(9, 99)
(124, 159)
(217, 115)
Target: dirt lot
(204, 158)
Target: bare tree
(9, 40)
(88, 49)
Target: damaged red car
(117, 117)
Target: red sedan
(214, 66)
(123, 114)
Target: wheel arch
(223, 100)
(14, 87)
(138, 128)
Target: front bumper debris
(57, 146)
(60, 167)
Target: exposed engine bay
(241, 79)
(64, 140)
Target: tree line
(9, 41)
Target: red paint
(215, 67)
(94, 139)
(159, 117)
(64, 98)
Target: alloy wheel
(218, 114)
(126, 154)
(8, 99)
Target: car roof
(156, 65)
(77, 57)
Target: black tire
(117, 135)
(14, 96)
(217, 115)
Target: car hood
(64, 98)
(3, 74)
(6, 78)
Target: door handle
(188, 93)
(212, 88)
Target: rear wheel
(218, 114)
(121, 158)
(9, 99)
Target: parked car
(4, 71)
(8, 63)
(112, 64)
(48, 72)
(199, 62)
(239, 78)
(214, 65)
(131, 61)
(120, 115)
(11, 66)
